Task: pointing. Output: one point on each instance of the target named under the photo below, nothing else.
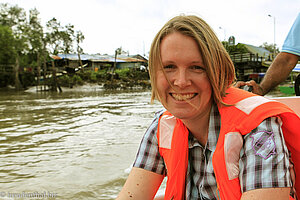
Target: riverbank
(120, 79)
(103, 80)
(96, 87)
(88, 87)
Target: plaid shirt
(255, 171)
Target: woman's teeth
(182, 97)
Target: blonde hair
(219, 67)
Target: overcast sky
(132, 24)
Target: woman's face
(189, 95)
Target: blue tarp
(297, 68)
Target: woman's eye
(169, 67)
(198, 68)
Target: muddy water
(70, 145)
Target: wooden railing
(246, 57)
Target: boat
(293, 102)
(291, 88)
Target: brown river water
(70, 145)
(78, 144)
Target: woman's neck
(199, 126)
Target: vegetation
(25, 43)
(25, 46)
(123, 79)
(233, 49)
(270, 47)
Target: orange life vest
(247, 112)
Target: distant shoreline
(87, 87)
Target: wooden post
(44, 71)
(54, 81)
(114, 66)
(80, 62)
(16, 69)
(38, 71)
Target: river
(78, 144)
(70, 145)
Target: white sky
(132, 24)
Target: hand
(255, 87)
(239, 84)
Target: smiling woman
(182, 84)
(211, 139)
(205, 43)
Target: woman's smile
(183, 96)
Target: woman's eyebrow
(197, 62)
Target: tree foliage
(25, 42)
(7, 52)
(31, 38)
(270, 47)
(60, 39)
(234, 49)
(15, 18)
(79, 39)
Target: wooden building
(97, 62)
(253, 64)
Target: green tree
(59, 38)
(15, 18)
(234, 49)
(79, 39)
(53, 38)
(7, 52)
(67, 36)
(270, 47)
(25, 43)
(35, 35)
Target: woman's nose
(181, 79)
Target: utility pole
(274, 49)
(224, 32)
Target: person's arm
(279, 70)
(140, 184)
(148, 169)
(264, 163)
(267, 194)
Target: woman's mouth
(183, 97)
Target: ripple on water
(73, 144)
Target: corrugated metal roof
(262, 52)
(98, 58)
